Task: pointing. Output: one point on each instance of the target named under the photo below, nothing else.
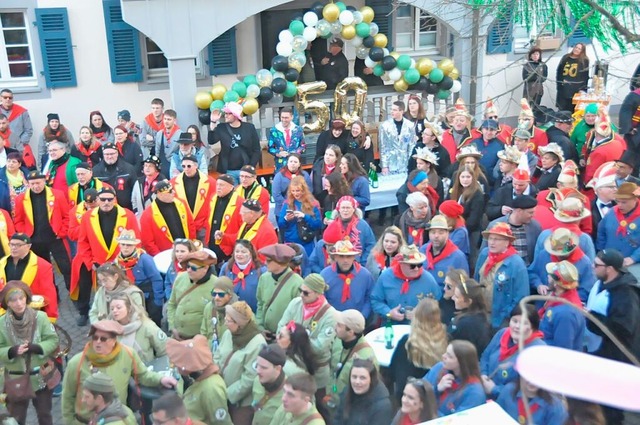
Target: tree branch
(615, 23)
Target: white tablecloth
(385, 194)
(375, 338)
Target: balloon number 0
(340, 109)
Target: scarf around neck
(310, 310)
(20, 328)
(347, 279)
(571, 295)
(244, 335)
(508, 348)
(241, 273)
(54, 165)
(128, 263)
(102, 360)
(449, 248)
(495, 258)
(397, 272)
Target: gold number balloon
(340, 108)
(313, 106)
(454, 74)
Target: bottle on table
(388, 333)
(373, 176)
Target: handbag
(305, 234)
(20, 388)
(50, 374)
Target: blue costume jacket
(510, 285)
(360, 289)
(460, 237)
(319, 258)
(454, 401)
(289, 229)
(280, 186)
(489, 153)
(627, 242)
(248, 293)
(538, 273)
(585, 243)
(277, 143)
(455, 259)
(563, 327)
(145, 271)
(360, 190)
(542, 412)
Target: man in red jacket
(42, 213)
(165, 220)
(97, 245)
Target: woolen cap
(253, 205)
(12, 287)
(280, 253)
(107, 190)
(110, 326)
(316, 283)
(451, 209)
(109, 145)
(124, 115)
(191, 158)
(274, 354)
(90, 195)
(163, 186)
(53, 116)
(240, 312)
(352, 319)
(524, 202)
(190, 355)
(227, 178)
(100, 383)
(224, 283)
(21, 237)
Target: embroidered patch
(501, 277)
(161, 335)
(221, 414)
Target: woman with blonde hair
(467, 191)
(417, 352)
(300, 217)
(384, 251)
(112, 281)
(87, 148)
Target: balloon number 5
(313, 106)
(340, 108)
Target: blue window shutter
(123, 44)
(222, 54)
(55, 43)
(578, 35)
(500, 35)
(383, 18)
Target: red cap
(451, 209)
(520, 174)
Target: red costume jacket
(73, 190)
(611, 150)
(75, 218)
(259, 193)
(544, 214)
(260, 234)
(206, 189)
(38, 275)
(450, 145)
(7, 229)
(156, 236)
(57, 210)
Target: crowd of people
(264, 321)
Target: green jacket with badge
(206, 327)
(206, 401)
(186, 305)
(237, 366)
(321, 327)
(45, 336)
(125, 364)
(146, 338)
(344, 358)
(268, 314)
(310, 417)
(265, 405)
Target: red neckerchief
(127, 264)
(455, 386)
(151, 121)
(494, 259)
(416, 234)
(522, 414)
(120, 147)
(571, 295)
(240, 275)
(288, 174)
(397, 272)
(16, 111)
(328, 170)
(449, 248)
(5, 136)
(149, 185)
(406, 420)
(348, 231)
(87, 151)
(309, 310)
(507, 351)
(346, 280)
(623, 221)
(381, 260)
(326, 254)
(575, 256)
(169, 135)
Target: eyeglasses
(415, 266)
(7, 97)
(187, 165)
(54, 150)
(245, 176)
(303, 292)
(16, 245)
(194, 268)
(596, 265)
(216, 294)
(106, 199)
(100, 338)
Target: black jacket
(547, 179)
(622, 318)
(247, 151)
(596, 218)
(555, 135)
(372, 408)
(121, 176)
(474, 210)
(504, 196)
(326, 138)
(473, 327)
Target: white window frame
(5, 79)
(416, 15)
(162, 74)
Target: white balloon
(336, 27)
(276, 99)
(357, 17)
(310, 33)
(310, 19)
(356, 41)
(253, 91)
(373, 28)
(369, 63)
(286, 36)
(457, 85)
(413, 63)
(395, 74)
(346, 17)
(284, 48)
(386, 51)
(278, 75)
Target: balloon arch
(334, 20)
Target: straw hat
(438, 222)
(469, 150)
(426, 155)
(409, 254)
(344, 247)
(511, 154)
(561, 241)
(500, 229)
(570, 210)
(553, 148)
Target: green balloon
(411, 75)
(239, 88)
(291, 90)
(363, 30)
(436, 75)
(217, 105)
(341, 6)
(296, 27)
(250, 79)
(231, 96)
(443, 94)
(378, 70)
(404, 62)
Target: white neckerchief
(598, 302)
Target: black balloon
(204, 116)
(431, 88)
(376, 54)
(279, 85)
(388, 63)
(351, 8)
(280, 63)
(291, 74)
(297, 16)
(369, 42)
(446, 83)
(317, 9)
(422, 84)
(265, 94)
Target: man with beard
(116, 172)
(223, 212)
(442, 253)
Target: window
(16, 50)
(415, 30)
(157, 65)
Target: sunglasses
(303, 292)
(7, 97)
(494, 117)
(187, 165)
(100, 338)
(181, 240)
(216, 294)
(194, 268)
(106, 199)
(415, 266)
